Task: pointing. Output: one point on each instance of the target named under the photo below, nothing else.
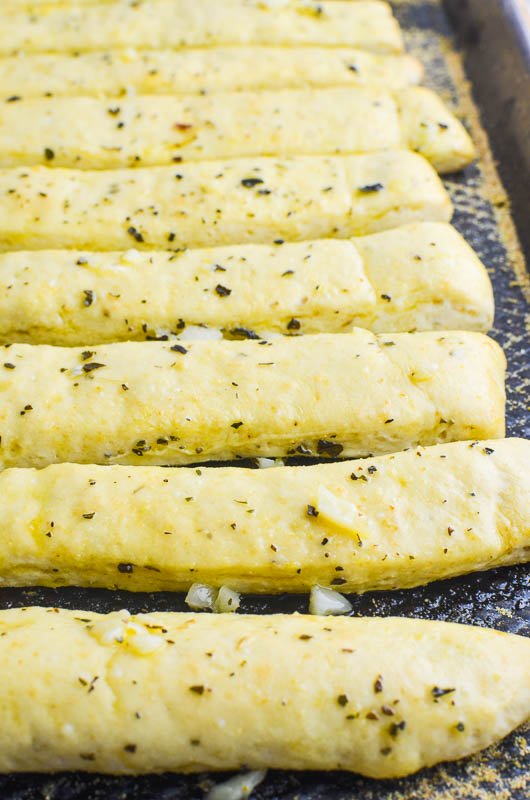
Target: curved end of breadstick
(488, 698)
(431, 130)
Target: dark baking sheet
(499, 599)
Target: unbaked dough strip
(217, 202)
(16, 5)
(150, 130)
(175, 24)
(191, 692)
(111, 73)
(423, 276)
(328, 394)
(391, 522)
(13, 5)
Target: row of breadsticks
(223, 237)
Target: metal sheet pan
(494, 53)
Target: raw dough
(368, 24)
(164, 403)
(218, 202)
(406, 519)
(187, 692)
(193, 70)
(151, 130)
(423, 276)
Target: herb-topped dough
(218, 202)
(422, 276)
(149, 130)
(367, 24)
(114, 72)
(16, 5)
(328, 394)
(190, 692)
(385, 523)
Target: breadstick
(217, 202)
(202, 23)
(387, 523)
(150, 130)
(328, 394)
(16, 5)
(185, 693)
(423, 276)
(210, 69)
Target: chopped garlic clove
(326, 602)
(132, 256)
(227, 601)
(201, 597)
(237, 788)
(266, 463)
(340, 512)
(125, 632)
(200, 333)
(107, 631)
(141, 641)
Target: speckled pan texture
(499, 599)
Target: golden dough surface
(151, 130)
(12, 6)
(186, 692)
(367, 24)
(194, 70)
(218, 202)
(391, 522)
(159, 403)
(423, 276)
